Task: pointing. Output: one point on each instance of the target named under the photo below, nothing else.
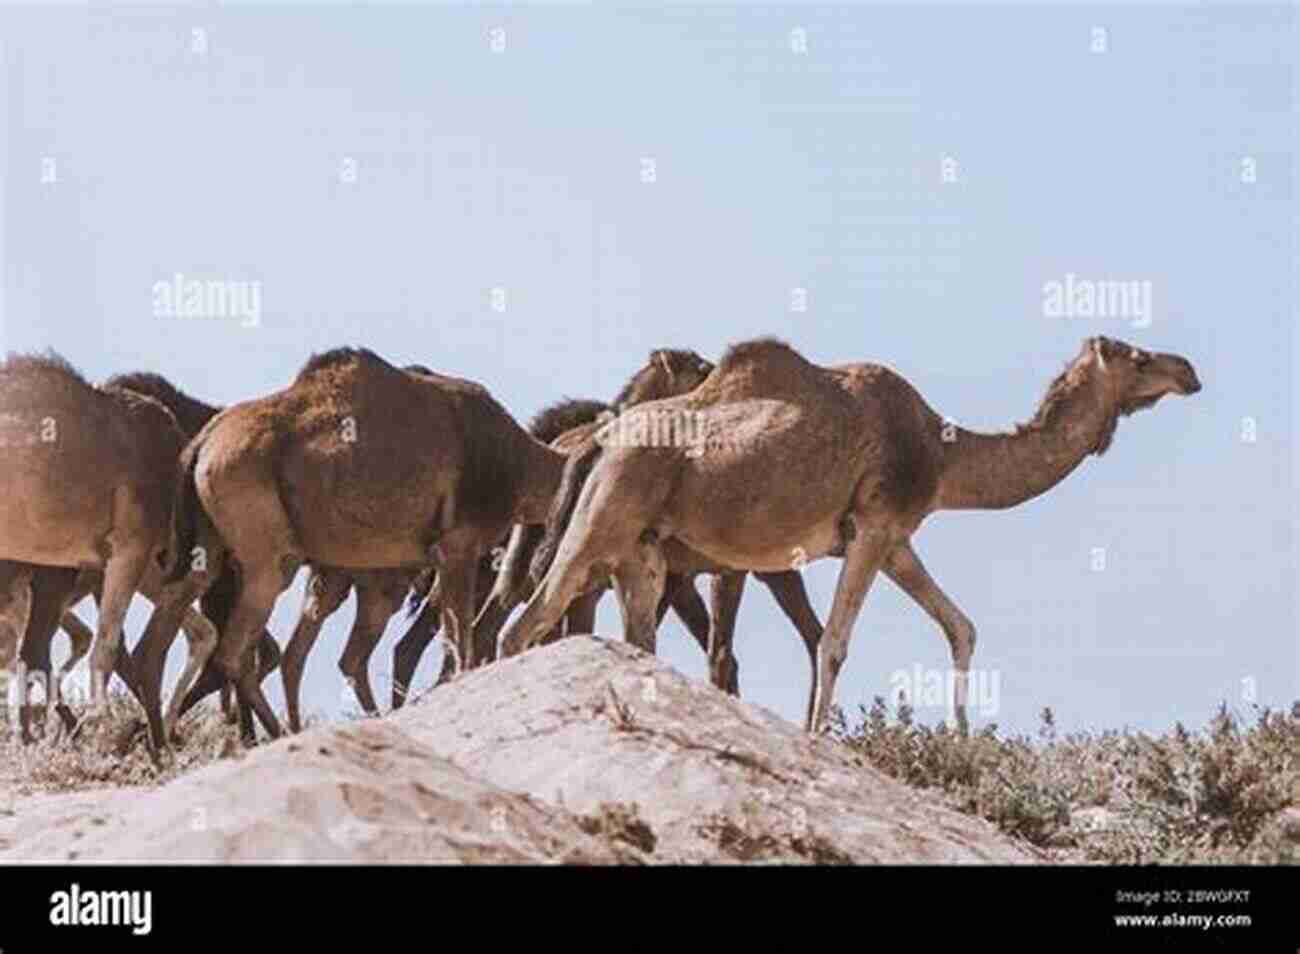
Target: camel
(565, 425)
(793, 462)
(379, 593)
(355, 464)
(712, 628)
(55, 592)
(87, 483)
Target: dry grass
(748, 839)
(1227, 794)
(619, 821)
(53, 763)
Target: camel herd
(416, 487)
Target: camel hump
(342, 357)
(765, 350)
(190, 413)
(564, 416)
(51, 363)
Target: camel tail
(185, 519)
(576, 469)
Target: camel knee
(202, 635)
(352, 666)
(961, 637)
(325, 594)
(831, 656)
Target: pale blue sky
(773, 170)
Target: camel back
(667, 372)
(191, 414)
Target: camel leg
(598, 529)
(580, 617)
(15, 613)
(15, 609)
(725, 598)
(792, 596)
(202, 636)
(510, 588)
(581, 614)
(54, 589)
(376, 604)
(863, 557)
(680, 593)
(217, 593)
(325, 593)
(409, 649)
(122, 575)
(546, 607)
(80, 638)
(247, 728)
(261, 585)
(458, 578)
(172, 604)
(904, 567)
(639, 583)
(267, 655)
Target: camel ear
(662, 358)
(1098, 348)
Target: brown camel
(355, 464)
(566, 426)
(55, 592)
(87, 483)
(379, 593)
(713, 629)
(790, 462)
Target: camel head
(1134, 378)
(668, 372)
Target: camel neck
(996, 471)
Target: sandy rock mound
(360, 792)
(586, 751)
(609, 732)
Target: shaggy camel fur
(790, 462)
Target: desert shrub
(1229, 794)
